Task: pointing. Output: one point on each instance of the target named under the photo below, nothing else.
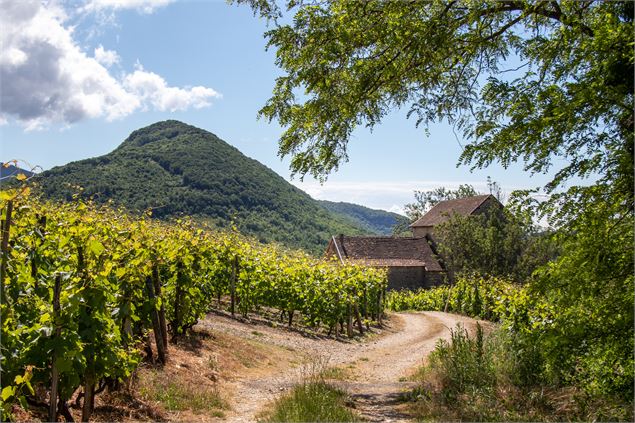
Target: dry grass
(336, 373)
(178, 394)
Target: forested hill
(8, 171)
(377, 221)
(177, 169)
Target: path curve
(378, 367)
(381, 374)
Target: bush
(488, 377)
(312, 401)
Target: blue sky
(117, 65)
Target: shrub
(313, 400)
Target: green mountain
(176, 169)
(377, 221)
(9, 171)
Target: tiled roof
(444, 209)
(387, 251)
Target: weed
(335, 373)
(176, 395)
(213, 362)
(311, 401)
(476, 379)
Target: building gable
(385, 251)
(443, 210)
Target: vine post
(349, 320)
(6, 227)
(156, 280)
(156, 326)
(232, 287)
(359, 320)
(56, 334)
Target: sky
(77, 77)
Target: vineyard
(541, 333)
(491, 299)
(85, 290)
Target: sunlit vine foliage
(102, 258)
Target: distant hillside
(11, 171)
(177, 169)
(377, 221)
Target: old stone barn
(443, 210)
(410, 262)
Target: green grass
(336, 373)
(176, 395)
(476, 379)
(311, 401)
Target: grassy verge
(312, 401)
(177, 395)
(477, 379)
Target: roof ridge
(458, 205)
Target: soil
(374, 369)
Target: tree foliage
(491, 243)
(546, 83)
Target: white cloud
(106, 57)
(47, 78)
(152, 90)
(143, 6)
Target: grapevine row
(83, 287)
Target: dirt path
(379, 376)
(375, 369)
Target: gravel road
(375, 367)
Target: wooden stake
(176, 323)
(156, 326)
(157, 290)
(349, 321)
(359, 320)
(89, 388)
(56, 334)
(6, 228)
(232, 287)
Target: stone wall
(414, 277)
(406, 277)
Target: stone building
(442, 211)
(411, 262)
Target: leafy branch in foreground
(545, 83)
